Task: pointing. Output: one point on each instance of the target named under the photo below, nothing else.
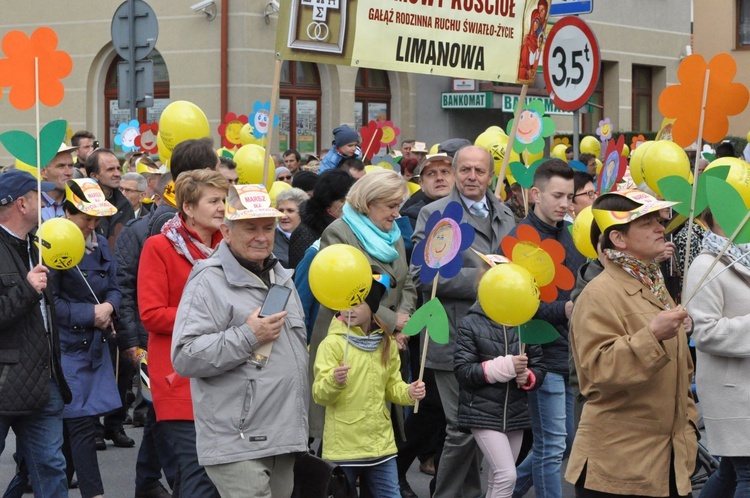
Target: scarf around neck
(714, 243)
(367, 343)
(649, 274)
(91, 243)
(184, 242)
(378, 244)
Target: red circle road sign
(571, 63)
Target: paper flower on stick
(371, 135)
(126, 135)
(146, 141)
(614, 166)
(682, 102)
(262, 119)
(440, 251)
(561, 140)
(17, 69)
(390, 133)
(636, 142)
(533, 128)
(604, 130)
(22, 146)
(229, 130)
(543, 258)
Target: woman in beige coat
(637, 435)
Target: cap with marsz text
(17, 183)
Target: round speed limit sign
(571, 63)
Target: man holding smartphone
(250, 415)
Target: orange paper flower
(17, 69)
(543, 258)
(683, 102)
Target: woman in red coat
(166, 262)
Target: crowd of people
(179, 267)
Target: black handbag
(318, 478)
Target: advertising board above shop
(466, 100)
(490, 40)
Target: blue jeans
(551, 408)
(732, 479)
(39, 440)
(193, 480)
(382, 479)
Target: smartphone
(276, 300)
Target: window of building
(642, 98)
(114, 116)
(590, 120)
(299, 107)
(743, 24)
(372, 97)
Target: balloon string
(348, 328)
(87, 285)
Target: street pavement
(118, 470)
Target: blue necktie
(479, 209)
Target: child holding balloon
(357, 370)
(493, 376)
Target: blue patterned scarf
(378, 244)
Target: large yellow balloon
(582, 233)
(625, 150)
(509, 294)
(62, 243)
(591, 145)
(738, 177)
(182, 120)
(164, 153)
(495, 143)
(276, 189)
(529, 158)
(558, 151)
(636, 162)
(249, 159)
(664, 158)
(247, 137)
(340, 277)
(434, 149)
(27, 168)
(599, 165)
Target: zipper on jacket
(244, 405)
(507, 387)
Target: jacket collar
(492, 203)
(238, 276)
(631, 285)
(551, 231)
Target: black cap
(452, 145)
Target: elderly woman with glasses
(287, 202)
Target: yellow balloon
(495, 129)
(249, 159)
(748, 136)
(182, 120)
(599, 165)
(385, 165)
(27, 167)
(63, 245)
(529, 158)
(164, 153)
(246, 134)
(636, 162)
(738, 177)
(558, 151)
(340, 277)
(664, 158)
(494, 142)
(508, 294)
(276, 189)
(413, 187)
(370, 168)
(591, 145)
(582, 233)
(625, 150)
(434, 149)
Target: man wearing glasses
(133, 186)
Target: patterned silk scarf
(649, 274)
(184, 242)
(714, 243)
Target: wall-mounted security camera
(208, 7)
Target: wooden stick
(426, 342)
(716, 259)
(272, 117)
(525, 201)
(38, 158)
(695, 184)
(369, 146)
(511, 138)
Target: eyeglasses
(130, 191)
(592, 194)
(282, 178)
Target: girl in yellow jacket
(358, 434)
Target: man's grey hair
(141, 182)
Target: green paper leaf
(537, 332)
(677, 189)
(523, 175)
(728, 208)
(21, 145)
(433, 316)
(51, 136)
